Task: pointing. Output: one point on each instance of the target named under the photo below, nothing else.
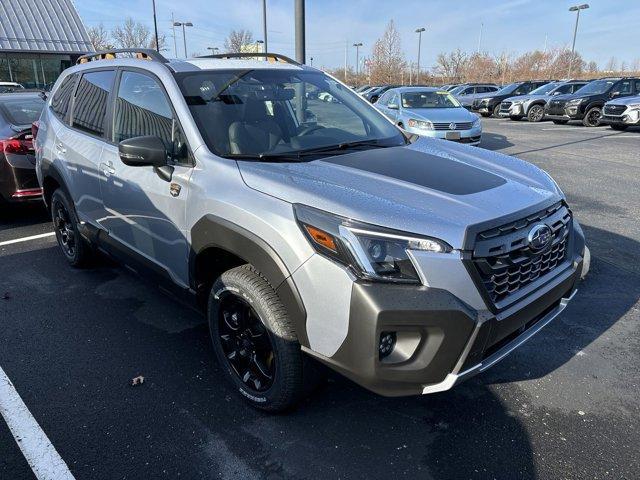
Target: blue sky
(608, 28)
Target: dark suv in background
(18, 181)
(586, 104)
(490, 104)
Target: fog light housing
(386, 344)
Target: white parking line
(575, 129)
(41, 455)
(27, 239)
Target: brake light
(16, 147)
(35, 126)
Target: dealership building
(38, 40)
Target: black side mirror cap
(143, 151)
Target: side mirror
(615, 94)
(393, 106)
(143, 151)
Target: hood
(624, 101)
(432, 187)
(524, 98)
(440, 114)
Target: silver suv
(309, 232)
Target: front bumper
(513, 111)
(469, 137)
(441, 339)
(629, 117)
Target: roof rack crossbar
(142, 53)
(275, 56)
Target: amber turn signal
(321, 238)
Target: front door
(144, 211)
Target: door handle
(60, 148)
(107, 169)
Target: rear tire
(65, 224)
(619, 127)
(561, 122)
(535, 113)
(254, 340)
(592, 118)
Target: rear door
(81, 143)
(145, 212)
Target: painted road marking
(27, 239)
(44, 460)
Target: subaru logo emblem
(539, 237)
(452, 126)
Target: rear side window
(90, 105)
(142, 109)
(22, 111)
(62, 97)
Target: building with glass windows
(38, 40)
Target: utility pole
(346, 58)
(173, 27)
(311, 61)
(300, 31)
(155, 24)
(419, 32)
(575, 8)
(264, 25)
(480, 37)
(357, 45)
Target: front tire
(496, 111)
(65, 225)
(254, 340)
(535, 113)
(592, 118)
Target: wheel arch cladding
(217, 243)
(51, 181)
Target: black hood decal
(419, 168)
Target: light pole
(258, 48)
(419, 32)
(264, 24)
(480, 38)
(155, 24)
(575, 8)
(357, 45)
(214, 50)
(184, 33)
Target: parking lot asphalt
(565, 405)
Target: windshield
(596, 87)
(545, 89)
(266, 112)
(21, 110)
(507, 89)
(457, 90)
(426, 99)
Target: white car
(8, 87)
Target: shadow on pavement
(494, 141)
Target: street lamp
(419, 32)
(184, 34)
(214, 50)
(258, 48)
(575, 8)
(357, 45)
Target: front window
(267, 112)
(425, 99)
(507, 89)
(545, 89)
(597, 87)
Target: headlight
(476, 123)
(517, 102)
(485, 101)
(574, 102)
(370, 252)
(420, 124)
(633, 105)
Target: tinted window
(142, 109)
(20, 110)
(637, 86)
(623, 88)
(577, 86)
(62, 97)
(90, 105)
(384, 99)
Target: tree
(132, 34)
(99, 37)
(452, 65)
(387, 60)
(162, 42)
(237, 39)
(592, 67)
(612, 65)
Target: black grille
(505, 106)
(505, 261)
(614, 109)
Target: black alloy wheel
(536, 113)
(64, 229)
(592, 118)
(246, 344)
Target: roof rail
(275, 57)
(140, 53)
